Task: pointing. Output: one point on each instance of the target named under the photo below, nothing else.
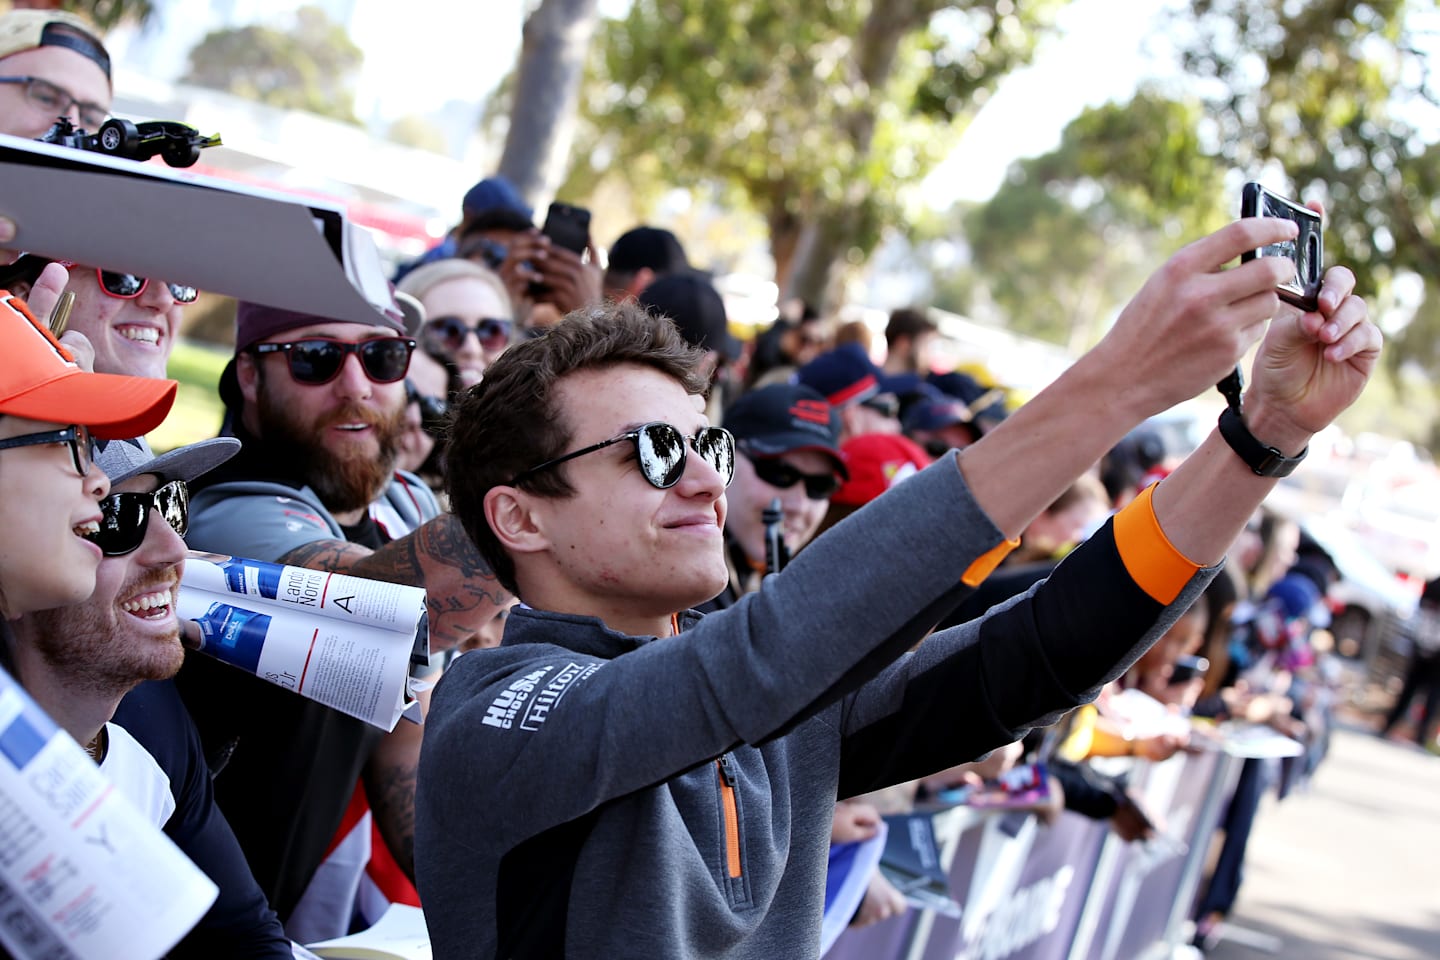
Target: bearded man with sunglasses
(318, 405)
(622, 777)
(79, 661)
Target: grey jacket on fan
(588, 794)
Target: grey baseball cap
(123, 459)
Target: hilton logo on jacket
(522, 696)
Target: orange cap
(40, 380)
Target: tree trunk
(821, 244)
(805, 258)
(785, 237)
(547, 89)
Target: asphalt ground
(1349, 868)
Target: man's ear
(20, 288)
(510, 514)
(642, 279)
(247, 375)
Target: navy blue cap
(937, 415)
(784, 418)
(493, 192)
(1297, 596)
(987, 402)
(843, 376)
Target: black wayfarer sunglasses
(316, 360)
(124, 517)
(782, 476)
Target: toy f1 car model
(179, 144)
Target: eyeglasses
(449, 333)
(56, 101)
(124, 517)
(660, 451)
(432, 409)
(319, 359)
(127, 286)
(779, 474)
(82, 445)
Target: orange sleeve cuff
(1149, 557)
(985, 564)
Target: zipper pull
(727, 769)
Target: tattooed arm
(461, 591)
(389, 779)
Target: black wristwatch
(1264, 461)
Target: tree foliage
(1071, 234)
(1339, 95)
(107, 14)
(815, 115)
(311, 67)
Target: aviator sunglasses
(82, 444)
(449, 333)
(124, 517)
(660, 452)
(317, 360)
(782, 476)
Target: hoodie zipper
(730, 811)
(732, 817)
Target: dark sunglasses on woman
(317, 360)
(449, 333)
(124, 517)
(782, 476)
(660, 453)
(82, 445)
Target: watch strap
(1263, 460)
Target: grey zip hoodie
(587, 794)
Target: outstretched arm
(1184, 330)
(1310, 368)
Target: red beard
(343, 482)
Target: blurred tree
(554, 46)
(1071, 235)
(422, 133)
(311, 67)
(1339, 94)
(817, 116)
(105, 14)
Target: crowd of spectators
(461, 451)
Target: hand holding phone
(567, 227)
(1305, 251)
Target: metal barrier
(1071, 890)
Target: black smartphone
(568, 226)
(1305, 251)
